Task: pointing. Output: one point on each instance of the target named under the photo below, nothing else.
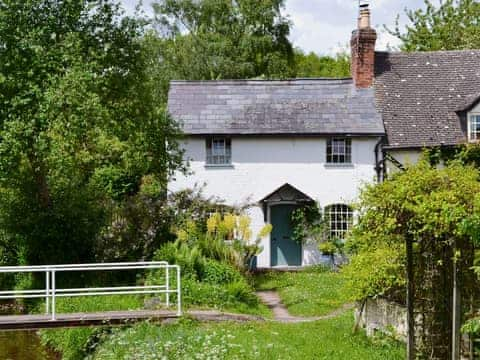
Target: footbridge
(169, 287)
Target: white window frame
(334, 152)
(335, 214)
(473, 136)
(218, 156)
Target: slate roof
(266, 107)
(419, 95)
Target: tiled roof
(303, 106)
(419, 95)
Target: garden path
(281, 314)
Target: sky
(324, 26)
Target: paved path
(281, 314)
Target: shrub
(373, 273)
(190, 259)
(206, 282)
(215, 272)
(242, 292)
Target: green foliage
(80, 123)
(315, 291)
(141, 224)
(235, 297)
(75, 344)
(467, 154)
(327, 248)
(208, 282)
(312, 65)
(214, 272)
(404, 205)
(228, 239)
(429, 207)
(451, 25)
(329, 339)
(377, 272)
(211, 39)
(309, 224)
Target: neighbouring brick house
(278, 144)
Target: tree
(452, 25)
(425, 208)
(80, 124)
(312, 65)
(212, 39)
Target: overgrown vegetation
(437, 210)
(215, 262)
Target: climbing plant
(308, 224)
(426, 206)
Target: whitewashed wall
(405, 157)
(263, 164)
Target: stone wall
(385, 316)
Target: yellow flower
(191, 227)
(244, 227)
(182, 235)
(247, 235)
(244, 222)
(230, 221)
(212, 223)
(266, 230)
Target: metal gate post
(167, 286)
(47, 291)
(53, 295)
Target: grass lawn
(312, 292)
(328, 339)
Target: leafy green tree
(80, 123)
(429, 207)
(451, 25)
(312, 65)
(223, 39)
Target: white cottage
(276, 145)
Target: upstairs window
(219, 151)
(339, 151)
(339, 218)
(474, 127)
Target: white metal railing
(51, 292)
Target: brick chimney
(363, 50)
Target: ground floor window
(339, 218)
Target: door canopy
(285, 194)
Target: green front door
(284, 251)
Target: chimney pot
(364, 17)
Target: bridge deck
(34, 322)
